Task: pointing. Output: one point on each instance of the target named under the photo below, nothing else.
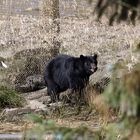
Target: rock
(36, 95)
(45, 99)
(13, 113)
(34, 104)
(33, 83)
(31, 74)
(25, 69)
(57, 104)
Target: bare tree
(50, 10)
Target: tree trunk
(50, 11)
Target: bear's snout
(94, 68)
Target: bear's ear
(95, 56)
(82, 57)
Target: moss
(10, 98)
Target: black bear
(67, 72)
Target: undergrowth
(10, 98)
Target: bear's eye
(88, 63)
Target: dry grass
(15, 127)
(77, 36)
(97, 101)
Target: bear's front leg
(53, 92)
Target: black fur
(67, 72)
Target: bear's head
(89, 63)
